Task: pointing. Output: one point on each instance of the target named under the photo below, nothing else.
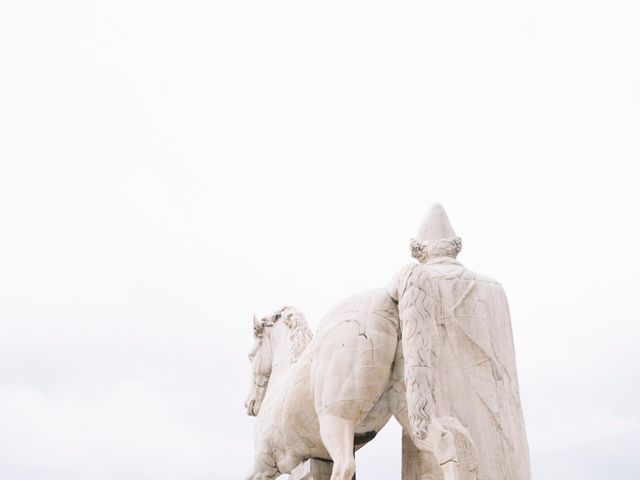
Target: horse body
(339, 393)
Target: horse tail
(418, 307)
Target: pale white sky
(168, 168)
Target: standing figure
(459, 358)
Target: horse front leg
(264, 468)
(337, 437)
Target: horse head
(279, 340)
(261, 358)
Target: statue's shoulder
(479, 277)
(398, 283)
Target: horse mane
(299, 332)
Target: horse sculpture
(326, 397)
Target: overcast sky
(168, 168)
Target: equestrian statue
(433, 349)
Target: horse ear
(256, 322)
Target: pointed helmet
(436, 237)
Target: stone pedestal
(312, 469)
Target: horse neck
(280, 348)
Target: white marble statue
(434, 350)
(458, 350)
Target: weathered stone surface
(458, 348)
(434, 349)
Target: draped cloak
(474, 378)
